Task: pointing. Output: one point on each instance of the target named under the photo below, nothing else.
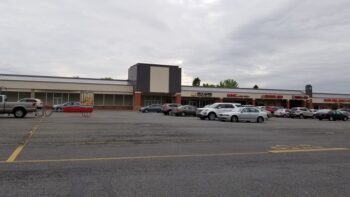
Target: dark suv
(151, 108)
(169, 108)
(185, 110)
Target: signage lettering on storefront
(336, 100)
(204, 94)
(231, 95)
(300, 97)
(272, 96)
(234, 95)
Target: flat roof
(36, 78)
(242, 90)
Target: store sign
(231, 95)
(272, 96)
(299, 97)
(204, 94)
(336, 100)
(234, 95)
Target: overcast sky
(273, 43)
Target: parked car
(345, 109)
(59, 108)
(301, 112)
(151, 108)
(320, 112)
(38, 102)
(168, 108)
(211, 112)
(263, 108)
(272, 109)
(185, 110)
(345, 113)
(282, 113)
(251, 114)
(333, 115)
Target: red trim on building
(137, 100)
(178, 98)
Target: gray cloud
(275, 43)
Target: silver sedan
(251, 114)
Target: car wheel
(59, 109)
(183, 114)
(211, 116)
(301, 116)
(171, 113)
(234, 119)
(260, 120)
(19, 113)
(285, 116)
(320, 118)
(146, 110)
(331, 118)
(345, 118)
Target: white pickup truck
(18, 109)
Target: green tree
(256, 86)
(228, 83)
(107, 78)
(196, 82)
(208, 85)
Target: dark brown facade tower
(155, 79)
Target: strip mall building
(155, 84)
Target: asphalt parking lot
(123, 153)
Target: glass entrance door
(57, 100)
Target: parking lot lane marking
(140, 157)
(308, 150)
(22, 144)
(173, 156)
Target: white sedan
(251, 114)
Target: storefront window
(118, 99)
(49, 98)
(23, 95)
(74, 97)
(65, 97)
(41, 96)
(12, 96)
(108, 99)
(128, 100)
(98, 99)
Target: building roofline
(161, 65)
(55, 77)
(242, 88)
(263, 89)
(331, 93)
